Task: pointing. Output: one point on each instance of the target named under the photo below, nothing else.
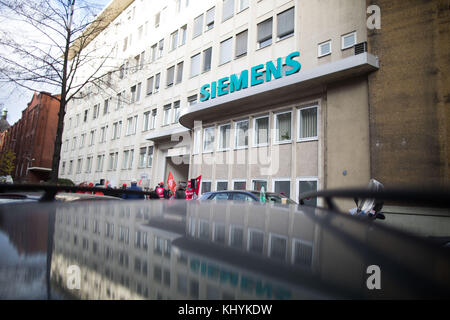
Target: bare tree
(45, 43)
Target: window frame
(343, 47)
(219, 148)
(255, 144)
(274, 180)
(305, 179)
(275, 141)
(319, 53)
(213, 128)
(299, 121)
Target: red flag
(197, 184)
(171, 182)
(140, 181)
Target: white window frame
(201, 185)
(299, 121)
(219, 148)
(239, 180)
(275, 131)
(343, 47)
(236, 134)
(297, 186)
(255, 144)
(319, 51)
(271, 235)
(203, 140)
(221, 180)
(281, 180)
(265, 180)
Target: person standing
(133, 186)
(160, 190)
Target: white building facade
(295, 127)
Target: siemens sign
(235, 83)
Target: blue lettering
(255, 74)
(296, 66)
(271, 70)
(222, 86)
(236, 83)
(204, 93)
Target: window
(348, 40)
(112, 165)
(222, 186)
(324, 49)
(183, 35)
(63, 168)
(74, 143)
(70, 167)
(174, 40)
(241, 134)
(283, 187)
(146, 124)
(88, 164)
(131, 125)
(94, 114)
(79, 165)
(228, 9)
(226, 51)
(142, 155)
(176, 111)
(138, 91)
(264, 33)
(198, 24)
(208, 139)
(103, 134)
(261, 135)
(133, 94)
(116, 130)
(302, 252)
(210, 18)
(127, 162)
(239, 185)
(307, 123)
(157, 81)
(166, 119)
(179, 72)
(285, 24)
(170, 76)
(243, 4)
(278, 247)
(141, 65)
(150, 157)
(224, 137)
(195, 65)
(91, 137)
(192, 100)
(119, 101)
(105, 107)
(255, 241)
(153, 120)
(308, 185)
(207, 59)
(206, 186)
(100, 160)
(150, 86)
(85, 115)
(157, 19)
(283, 127)
(241, 43)
(160, 48)
(258, 184)
(153, 52)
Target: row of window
(307, 130)
(302, 251)
(279, 186)
(145, 161)
(347, 41)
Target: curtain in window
(198, 24)
(208, 139)
(195, 65)
(284, 126)
(262, 130)
(309, 123)
(170, 75)
(225, 50)
(149, 85)
(285, 23)
(225, 136)
(242, 134)
(265, 30)
(210, 18)
(179, 72)
(241, 43)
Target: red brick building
(32, 139)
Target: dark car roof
(295, 252)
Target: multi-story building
(32, 139)
(301, 125)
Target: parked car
(243, 195)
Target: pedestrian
(133, 186)
(180, 193)
(160, 190)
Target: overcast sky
(14, 98)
